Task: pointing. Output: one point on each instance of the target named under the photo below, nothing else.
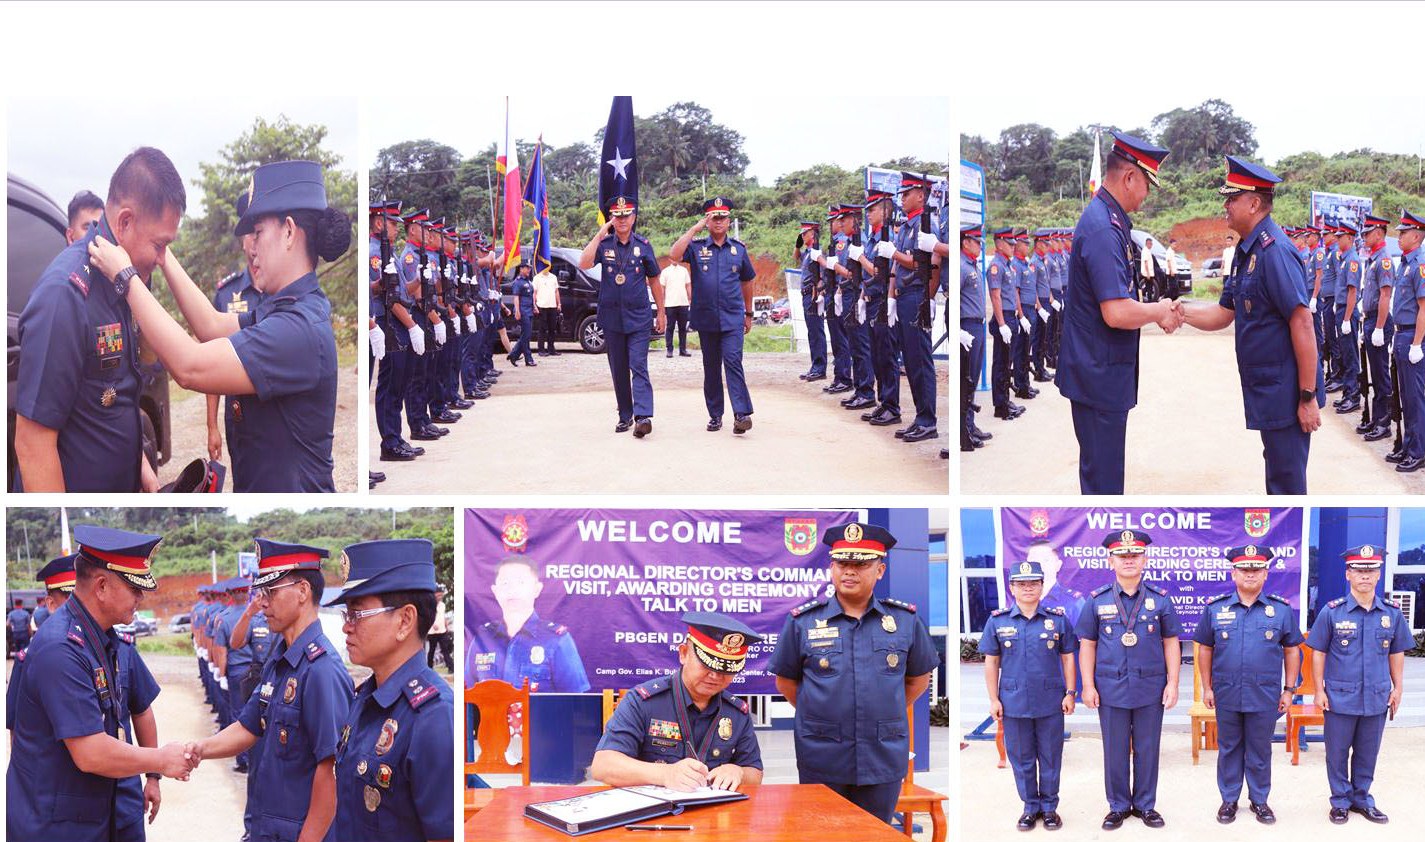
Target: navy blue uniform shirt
(543, 652)
(1129, 676)
(646, 726)
(972, 289)
(1409, 287)
(623, 283)
(1358, 643)
(1098, 364)
(1031, 673)
(718, 273)
(1247, 649)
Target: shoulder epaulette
(1337, 602)
(418, 692)
(999, 611)
(805, 607)
(897, 603)
(234, 276)
(1157, 589)
(1218, 598)
(1100, 589)
(740, 704)
(315, 650)
(1265, 239)
(1278, 597)
(1058, 609)
(79, 283)
(649, 689)
(556, 628)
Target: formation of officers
(1294, 296)
(265, 341)
(1126, 638)
(872, 294)
(849, 663)
(324, 759)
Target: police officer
(218, 654)
(17, 626)
(1406, 306)
(1358, 647)
(1004, 301)
(82, 698)
(1348, 283)
(407, 341)
(1058, 278)
(628, 271)
(411, 268)
(523, 291)
(58, 579)
(1129, 659)
(1324, 261)
(910, 287)
(232, 294)
(393, 760)
(828, 299)
(1029, 672)
(76, 401)
(850, 663)
(877, 273)
(851, 310)
(237, 660)
(1247, 638)
(1043, 290)
(281, 358)
(972, 335)
(1098, 358)
(685, 730)
(721, 309)
(519, 645)
(476, 388)
(437, 361)
(1028, 306)
(195, 628)
(1378, 284)
(1265, 297)
(293, 719)
(807, 254)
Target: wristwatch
(153, 776)
(1306, 396)
(1069, 692)
(121, 280)
(747, 313)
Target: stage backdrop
(619, 579)
(1186, 558)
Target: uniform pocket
(270, 826)
(821, 729)
(891, 658)
(824, 660)
(80, 809)
(284, 725)
(891, 730)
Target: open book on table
(618, 807)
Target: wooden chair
(1204, 718)
(611, 700)
(493, 699)
(917, 799)
(1301, 716)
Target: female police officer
(278, 362)
(393, 761)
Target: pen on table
(659, 827)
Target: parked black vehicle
(35, 225)
(578, 300)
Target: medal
(372, 797)
(1007, 644)
(1049, 624)
(388, 736)
(888, 622)
(717, 752)
(289, 693)
(361, 767)
(823, 663)
(107, 399)
(724, 728)
(282, 736)
(893, 659)
(1269, 634)
(1129, 639)
(1048, 644)
(383, 776)
(619, 278)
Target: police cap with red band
(1364, 557)
(1249, 557)
(719, 641)
(276, 559)
(858, 542)
(1243, 176)
(58, 575)
(1139, 151)
(126, 553)
(1126, 541)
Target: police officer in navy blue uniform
(393, 760)
(232, 294)
(1265, 298)
(1323, 273)
(1406, 305)
(410, 267)
(877, 273)
(849, 309)
(1040, 264)
(1098, 355)
(1129, 659)
(58, 579)
(1027, 289)
(1029, 671)
(807, 254)
(78, 700)
(1348, 317)
(972, 334)
(17, 627)
(520, 645)
(437, 359)
(76, 400)
(1377, 327)
(850, 663)
(522, 288)
(237, 657)
(394, 370)
(827, 297)
(910, 290)
(1004, 304)
(292, 721)
(686, 730)
(1249, 664)
(1358, 647)
(628, 271)
(721, 309)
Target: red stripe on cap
(716, 208)
(125, 563)
(864, 545)
(286, 559)
(716, 645)
(1142, 158)
(60, 580)
(1134, 543)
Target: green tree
(1199, 137)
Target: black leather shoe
(900, 434)
(495, 373)
(981, 434)
(1051, 820)
(425, 434)
(838, 388)
(1263, 813)
(1006, 413)
(447, 417)
(513, 361)
(1151, 818)
(1409, 465)
(1227, 813)
(920, 434)
(477, 395)
(642, 427)
(1334, 386)
(885, 419)
(812, 377)
(1377, 434)
(1040, 377)
(1395, 456)
(531, 363)
(623, 426)
(1114, 820)
(555, 353)
(1372, 814)
(867, 416)
(969, 445)
(1027, 821)
(461, 403)
(1352, 405)
(439, 431)
(414, 451)
(860, 403)
(741, 423)
(396, 455)
(684, 354)
(1339, 815)
(1364, 427)
(714, 424)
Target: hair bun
(333, 234)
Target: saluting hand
(686, 775)
(726, 776)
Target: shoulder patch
(1278, 597)
(649, 689)
(1337, 602)
(75, 635)
(1385, 263)
(897, 603)
(79, 284)
(1265, 239)
(1355, 266)
(418, 692)
(994, 268)
(805, 607)
(1100, 589)
(740, 704)
(1155, 588)
(999, 611)
(315, 650)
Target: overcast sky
(781, 134)
(66, 145)
(1284, 124)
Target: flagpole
(490, 190)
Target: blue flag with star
(536, 196)
(618, 165)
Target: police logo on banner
(1257, 521)
(799, 534)
(515, 533)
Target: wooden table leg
(937, 821)
(908, 823)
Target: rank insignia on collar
(387, 738)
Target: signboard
(1336, 208)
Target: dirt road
(550, 429)
(1187, 435)
(188, 415)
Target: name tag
(484, 660)
(1108, 610)
(1006, 631)
(823, 633)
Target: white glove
(1378, 338)
(223, 682)
(390, 267)
(891, 315)
(378, 342)
(1024, 323)
(439, 333)
(1043, 314)
(212, 670)
(428, 274)
(449, 272)
(1006, 334)
(860, 311)
(1057, 305)
(456, 326)
(855, 252)
(884, 249)
(821, 305)
(967, 339)
(1311, 305)
(925, 241)
(840, 305)
(815, 254)
(470, 322)
(1346, 328)
(833, 262)
(418, 339)
(1416, 355)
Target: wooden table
(773, 813)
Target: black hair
(1114, 162)
(314, 579)
(328, 232)
(424, 601)
(82, 201)
(522, 561)
(148, 180)
(84, 569)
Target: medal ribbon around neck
(94, 640)
(1129, 618)
(680, 701)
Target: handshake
(1171, 314)
(178, 760)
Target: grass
(762, 338)
(165, 644)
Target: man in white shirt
(546, 308)
(1146, 267)
(677, 292)
(1227, 253)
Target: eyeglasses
(266, 592)
(349, 617)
